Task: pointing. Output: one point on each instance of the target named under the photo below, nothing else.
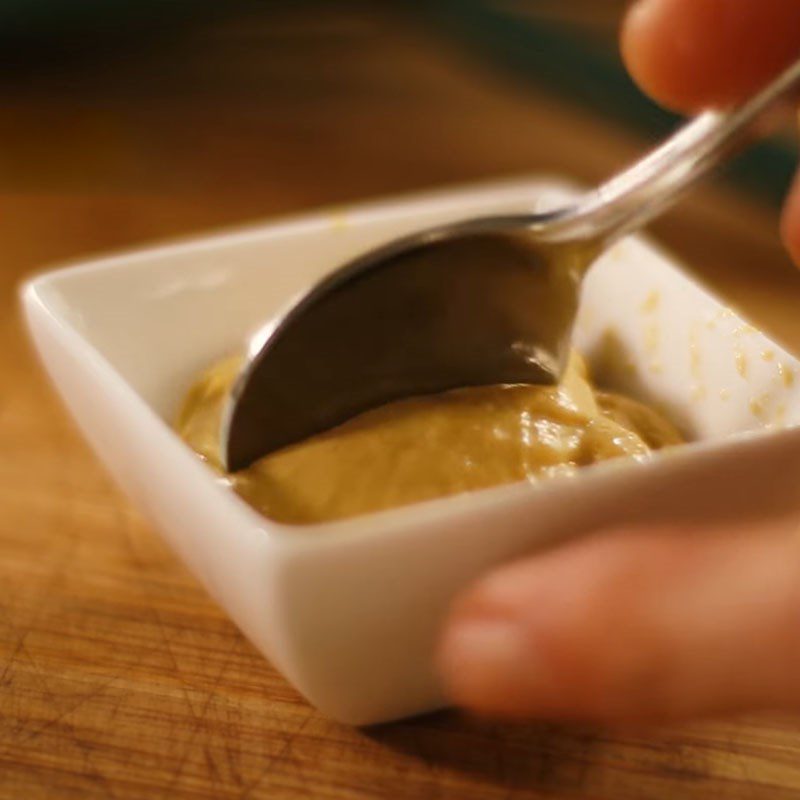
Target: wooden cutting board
(119, 678)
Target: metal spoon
(479, 302)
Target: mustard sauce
(422, 448)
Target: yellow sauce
(427, 447)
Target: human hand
(647, 625)
(691, 54)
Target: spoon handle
(632, 198)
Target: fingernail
(482, 661)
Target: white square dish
(349, 611)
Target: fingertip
(790, 221)
(489, 659)
(522, 641)
(689, 54)
(479, 662)
(641, 47)
(668, 53)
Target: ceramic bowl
(350, 611)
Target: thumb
(633, 626)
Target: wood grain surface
(119, 678)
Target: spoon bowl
(448, 308)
